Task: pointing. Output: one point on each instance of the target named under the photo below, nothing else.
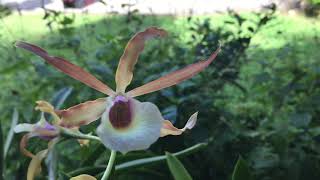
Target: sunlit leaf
(177, 169)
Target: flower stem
(74, 134)
(110, 165)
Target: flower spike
(130, 56)
(67, 68)
(174, 77)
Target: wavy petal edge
(169, 129)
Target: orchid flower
(126, 123)
(43, 130)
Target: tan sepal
(169, 129)
(34, 168)
(174, 77)
(83, 177)
(82, 114)
(130, 56)
(46, 107)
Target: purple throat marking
(120, 114)
(47, 127)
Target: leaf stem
(110, 165)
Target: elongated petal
(83, 177)
(169, 129)
(143, 130)
(130, 56)
(68, 68)
(174, 77)
(23, 145)
(83, 113)
(34, 168)
(25, 127)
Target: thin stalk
(73, 134)
(110, 165)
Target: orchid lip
(120, 114)
(47, 128)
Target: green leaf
(60, 97)
(177, 169)
(14, 122)
(1, 154)
(300, 120)
(241, 170)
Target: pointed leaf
(68, 68)
(1, 154)
(174, 77)
(14, 121)
(177, 169)
(241, 170)
(60, 96)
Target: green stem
(143, 161)
(138, 162)
(72, 134)
(110, 165)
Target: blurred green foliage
(260, 98)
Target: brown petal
(174, 77)
(23, 145)
(83, 113)
(68, 68)
(130, 56)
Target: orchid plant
(126, 123)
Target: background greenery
(259, 99)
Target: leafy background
(259, 99)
